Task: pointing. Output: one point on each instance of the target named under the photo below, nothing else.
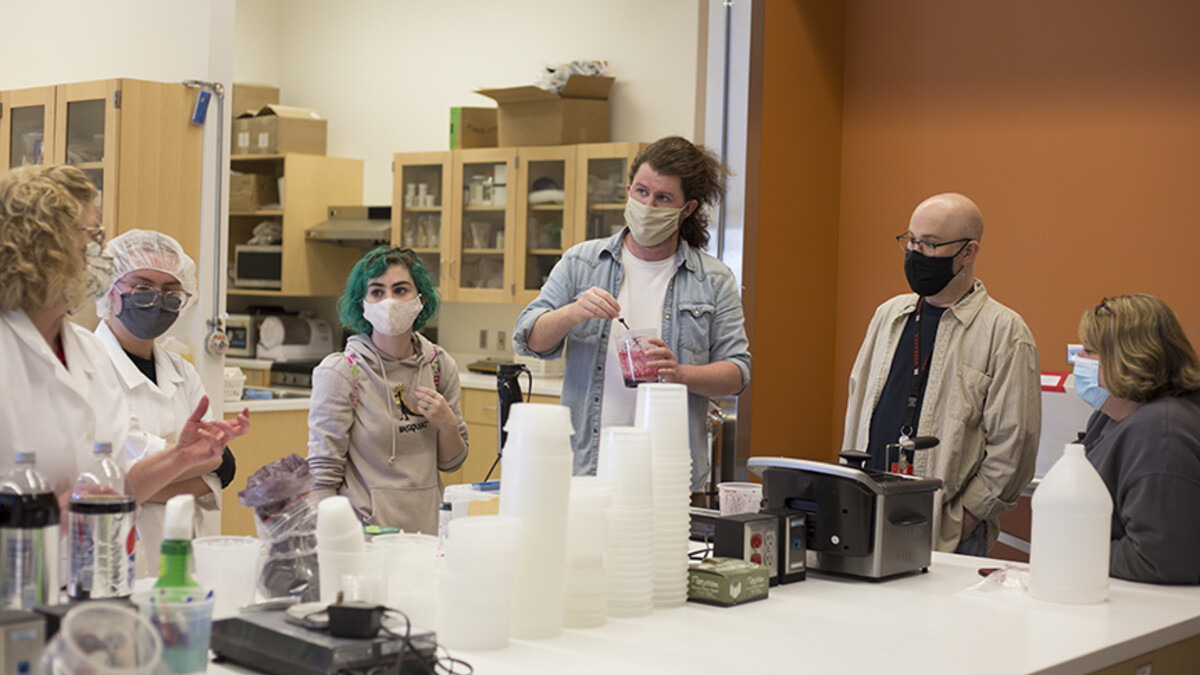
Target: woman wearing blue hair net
(154, 282)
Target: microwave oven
(258, 266)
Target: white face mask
(100, 270)
(651, 225)
(391, 316)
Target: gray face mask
(146, 323)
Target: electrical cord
(445, 664)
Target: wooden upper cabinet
(26, 126)
(134, 139)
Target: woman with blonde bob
(58, 390)
(1142, 375)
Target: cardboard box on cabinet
(532, 116)
(243, 132)
(472, 128)
(252, 97)
(247, 100)
(278, 129)
(249, 192)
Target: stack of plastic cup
(535, 483)
(662, 409)
(586, 584)
(475, 585)
(348, 565)
(411, 565)
(229, 566)
(628, 554)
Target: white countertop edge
(267, 405)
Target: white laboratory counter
(925, 624)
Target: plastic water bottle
(1071, 532)
(29, 519)
(100, 523)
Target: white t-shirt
(641, 298)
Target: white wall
(57, 41)
(385, 73)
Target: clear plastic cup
(738, 498)
(88, 632)
(183, 619)
(229, 566)
(355, 575)
(632, 346)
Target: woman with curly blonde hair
(1142, 375)
(58, 390)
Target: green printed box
(727, 582)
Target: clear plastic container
(100, 516)
(29, 523)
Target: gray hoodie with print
(366, 439)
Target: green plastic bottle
(175, 560)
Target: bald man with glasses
(949, 361)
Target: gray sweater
(1150, 462)
(372, 446)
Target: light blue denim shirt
(702, 323)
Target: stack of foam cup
(628, 562)
(662, 409)
(586, 584)
(475, 585)
(411, 565)
(535, 482)
(348, 565)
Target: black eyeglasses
(927, 248)
(1104, 306)
(147, 296)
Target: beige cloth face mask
(651, 225)
(392, 316)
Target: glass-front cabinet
(85, 129)
(421, 211)
(26, 126)
(480, 265)
(545, 212)
(491, 223)
(132, 138)
(600, 186)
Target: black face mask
(146, 323)
(926, 275)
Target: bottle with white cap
(175, 561)
(1071, 532)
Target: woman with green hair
(385, 415)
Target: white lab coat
(161, 411)
(55, 411)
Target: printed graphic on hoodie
(408, 413)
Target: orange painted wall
(1074, 125)
(792, 273)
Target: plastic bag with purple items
(285, 513)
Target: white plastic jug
(1072, 526)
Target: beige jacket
(982, 400)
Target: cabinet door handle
(491, 407)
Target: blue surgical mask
(1087, 382)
